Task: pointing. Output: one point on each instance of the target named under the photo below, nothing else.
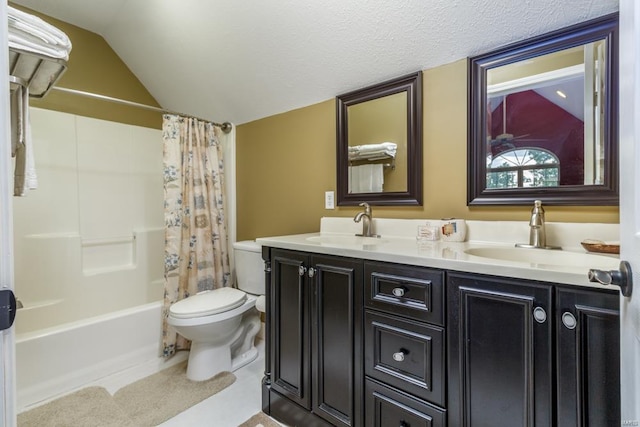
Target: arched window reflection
(523, 167)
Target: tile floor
(228, 408)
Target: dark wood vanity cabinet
(529, 354)
(363, 343)
(316, 332)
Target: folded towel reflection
(384, 150)
(366, 178)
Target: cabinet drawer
(386, 407)
(415, 292)
(405, 354)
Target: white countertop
(453, 256)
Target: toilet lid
(208, 303)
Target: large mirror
(543, 119)
(379, 143)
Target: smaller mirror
(379, 143)
(543, 118)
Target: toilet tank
(249, 266)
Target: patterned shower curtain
(196, 248)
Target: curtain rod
(226, 126)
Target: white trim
(629, 125)
(7, 343)
(230, 189)
(536, 80)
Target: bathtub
(57, 360)
(92, 308)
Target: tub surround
(398, 244)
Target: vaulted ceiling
(244, 60)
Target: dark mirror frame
(603, 28)
(412, 85)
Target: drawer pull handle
(399, 291)
(399, 356)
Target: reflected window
(523, 167)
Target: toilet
(222, 324)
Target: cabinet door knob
(302, 270)
(399, 356)
(569, 320)
(404, 424)
(399, 291)
(539, 314)
(312, 271)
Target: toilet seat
(208, 303)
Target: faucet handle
(367, 208)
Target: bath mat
(260, 420)
(144, 403)
(158, 397)
(92, 406)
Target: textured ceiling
(244, 60)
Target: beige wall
(286, 162)
(94, 67)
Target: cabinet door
(588, 343)
(500, 352)
(290, 326)
(336, 339)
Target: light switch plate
(329, 200)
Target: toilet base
(207, 360)
(201, 355)
(244, 359)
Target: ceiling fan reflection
(507, 138)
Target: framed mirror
(379, 143)
(543, 119)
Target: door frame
(629, 140)
(7, 337)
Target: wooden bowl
(602, 247)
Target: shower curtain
(196, 246)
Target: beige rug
(92, 406)
(147, 402)
(260, 420)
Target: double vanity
(392, 331)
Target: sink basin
(546, 257)
(347, 240)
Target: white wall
(90, 239)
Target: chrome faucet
(365, 217)
(537, 229)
